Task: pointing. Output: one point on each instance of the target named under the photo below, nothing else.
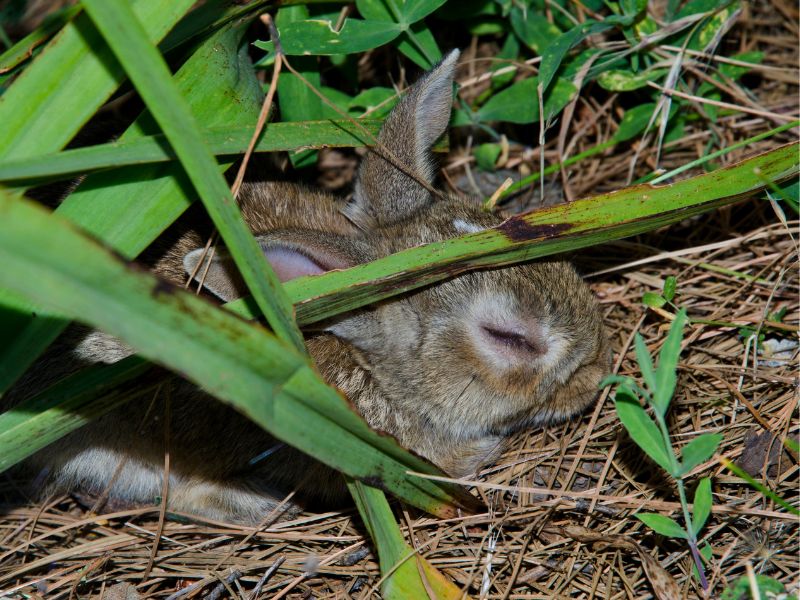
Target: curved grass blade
(67, 405)
(72, 77)
(406, 575)
(543, 232)
(24, 49)
(151, 77)
(222, 141)
(129, 208)
(47, 260)
(758, 486)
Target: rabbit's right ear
(291, 254)
(385, 193)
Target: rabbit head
(459, 365)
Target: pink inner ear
(290, 264)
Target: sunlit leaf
(625, 81)
(519, 103)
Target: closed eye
(513, 341)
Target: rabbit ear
(383, 193)
(291, 255)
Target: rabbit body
(450, 370)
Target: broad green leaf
(71, 78)
(510, 51)
(46, 259)
(667, 369)
(419, 44)
(644, 361)
(701, 505)
(653, 300)
(415, 10)
(696, 7)
(404, 12)
(415, 576)
(318, 37)
(369, 100)
(662, 525)
(625, 81)
(670, 285)
(417, 41)
(710, 33)
(296, 99)
(375, 10)
(741, 588)
(699, 450)
(143, 150)
(642, 429)
(130, 207)
(634, 121)
(633, 8)
(486, 156)
(533, 28)
(519, 103)
(736, 71)
(150, 75)
(557, 49)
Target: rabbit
(451, 370)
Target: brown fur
(450, 370)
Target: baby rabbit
(451, 370)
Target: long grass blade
(543, 232)
(67, 405)
(405, 574)
(130, 207)
(222, 141)
(50, 262)
(151, 77)
(72, 77)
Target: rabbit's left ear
(385, 193)
(291, 254)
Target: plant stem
(698, 561)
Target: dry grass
(581, 481)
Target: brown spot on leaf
(518, 230)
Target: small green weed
(652, 435)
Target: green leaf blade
(666, 372)
(72, 77)
(645, 361)
(702, 505)
(662, 525)
(48, 261)
(129, 208)
(699, 450)
(150, 75)
(642, 429)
